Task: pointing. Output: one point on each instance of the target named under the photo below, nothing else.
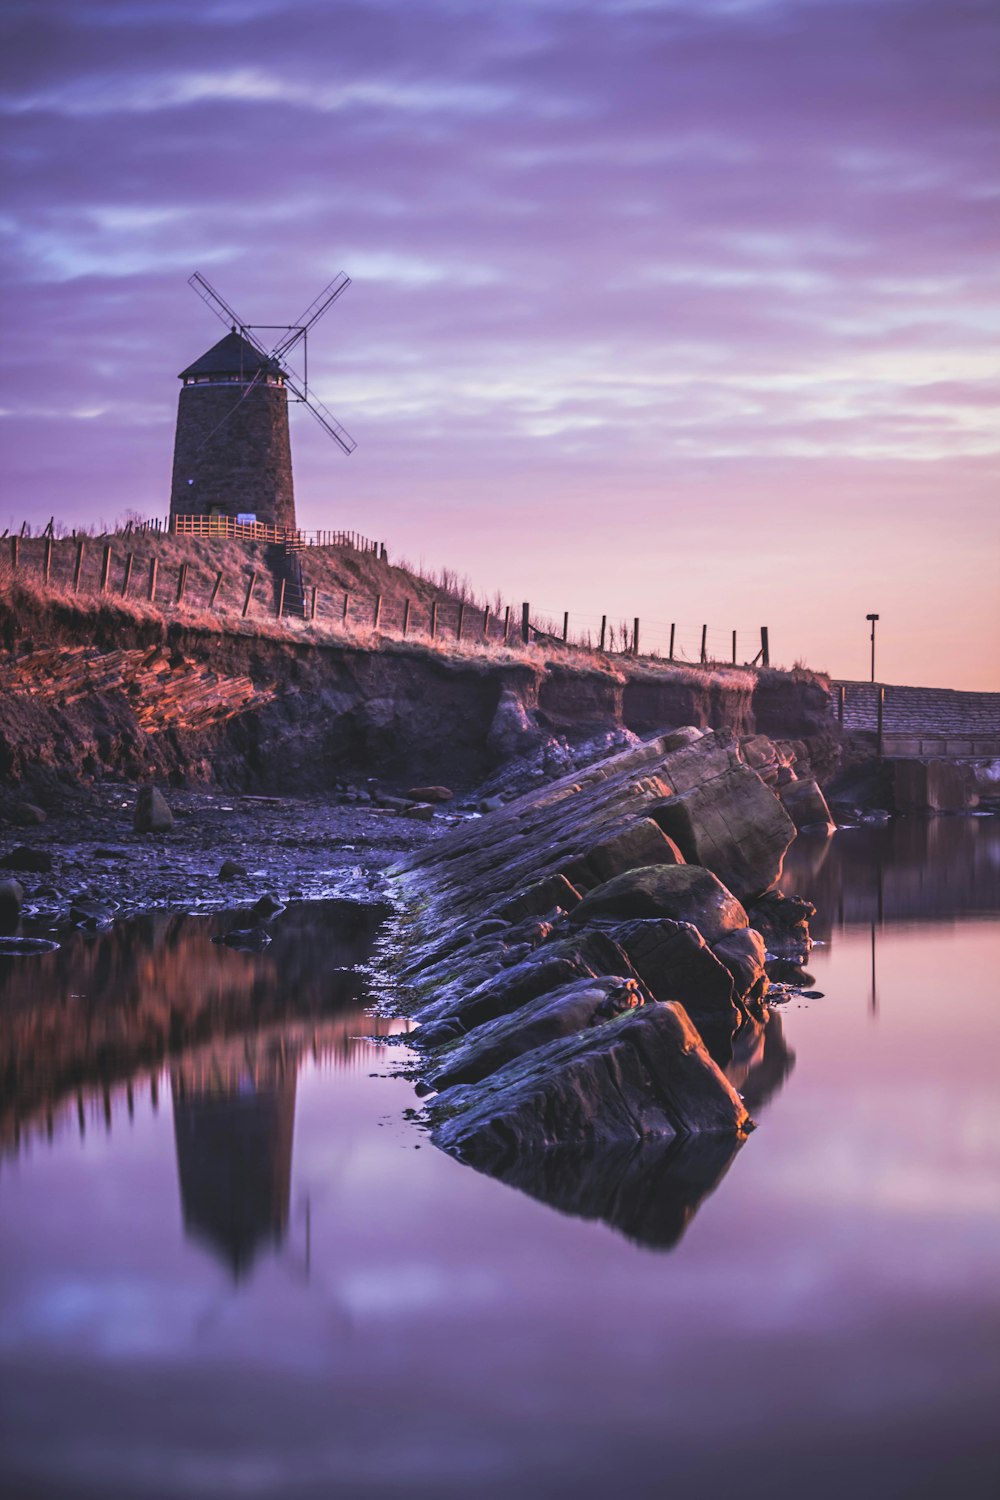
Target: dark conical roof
(233, 355)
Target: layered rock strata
(577, 956)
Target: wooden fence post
(486, 623)
(525, 623)
(13, 553)
(153, 569)
(461, 619)
(734, 648)
(765, 649)
(215, 589)
(672, 630)
(249, 597)
(347, 605)
(78, 569)
(48, 556)
(105, 567)
(565, 626)
(506, 624)
(840, 705)
(314, 603)
(281, 599)
(635, 636)
(182, 579)
(604, 631)
(378, 611)
(406, 615)
(881, 721)
(127, 576)
(434, 619)
(704, 641)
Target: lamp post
(873, 618)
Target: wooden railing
(257, 531)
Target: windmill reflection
(234, 1117)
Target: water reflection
(912, 869)
(234, 1113)
(106, 1011)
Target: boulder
(512, 731)
(538, 973)
(24, 857)
(685, 893)
(430, 794)
(87, 912)
(25, 815)
(421, 812)
(558, 1013)
(11, 901)
(151, 813)
(758, 751)
(230, 869)
(643, 1074)
(806, 806)
(783, 923)
(267, 907)
(639, 843)
(537, 899)
(734, 826)
(744, 953)
(674, 963)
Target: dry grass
(334, 572)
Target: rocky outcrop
(523, 935)
(644, 1074)
(806, 806)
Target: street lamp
(873, 618)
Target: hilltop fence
(109, 566)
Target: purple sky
(686, 310)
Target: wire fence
(111, 568)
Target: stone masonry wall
(236, 451)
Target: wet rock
(744, 954)
(733, 825)
(684, 893)
(423, 812)
(25, 857)
(639, 844)
(540, 972)
(87, 912)
(783, 923)
(562, 1012)
(806, 806)
(675, 963)
(539, 898)
(25, 947)
(151, 813)
(643, 1074)
(11, 901)
(430, 794)
(230, 869)
(266, 908)
(25, 815)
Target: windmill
(232, 455)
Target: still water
(248, 1273)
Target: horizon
(683, 311)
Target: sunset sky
(685, 309)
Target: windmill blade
(325, 418)
(206, 291)
(312, 314)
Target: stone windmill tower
(232, 454)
